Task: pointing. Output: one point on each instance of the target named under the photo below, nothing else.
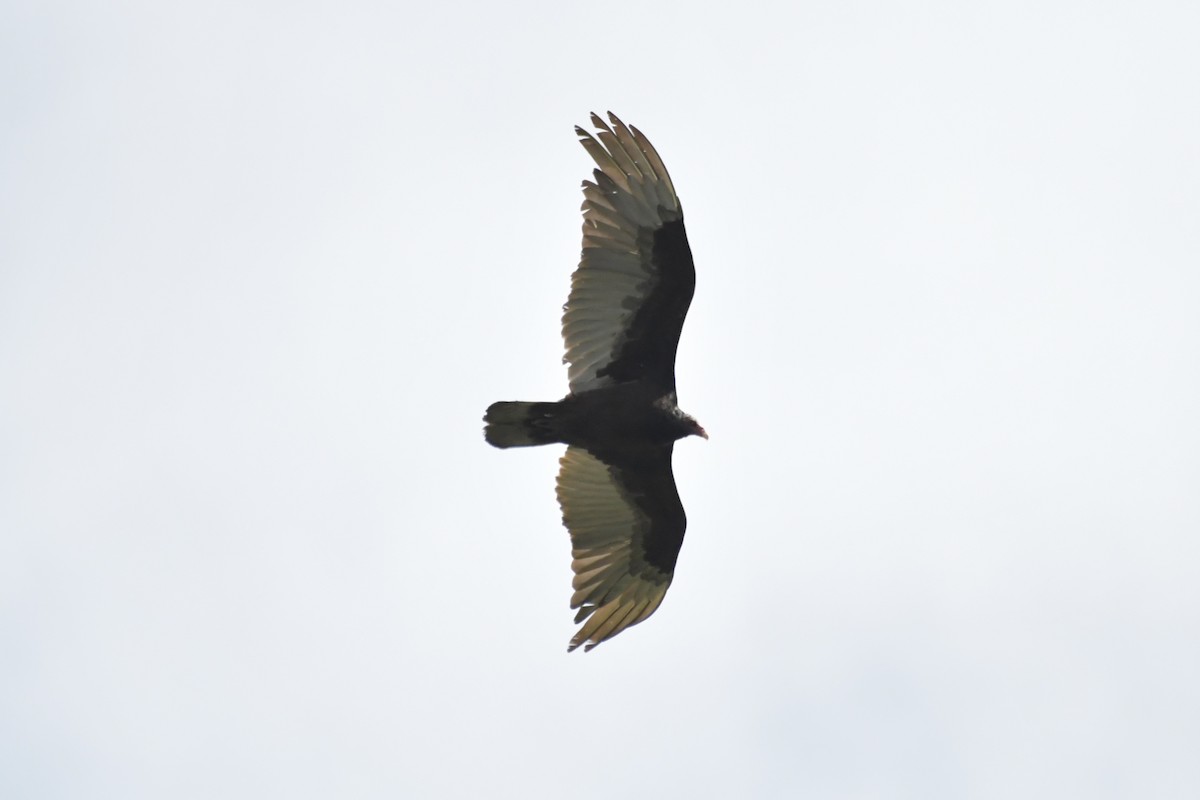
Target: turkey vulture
(620, 419)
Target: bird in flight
(621, 419)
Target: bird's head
(683, 424)
(694, 428)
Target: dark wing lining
(626, 524)
(635, 279)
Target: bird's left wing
(626, 524)
(635, 279)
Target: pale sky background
(263, 266)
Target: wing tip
(574, 645)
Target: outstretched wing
(635, 278)
(626, 525)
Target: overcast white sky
(263, 266)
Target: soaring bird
(621, 419)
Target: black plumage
(621, 327)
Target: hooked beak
(701, 432)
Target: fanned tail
(520, 424)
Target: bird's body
(629, 415)
(621, 325)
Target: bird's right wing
(626, 524)
(635, 279)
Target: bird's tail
(520, 424)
